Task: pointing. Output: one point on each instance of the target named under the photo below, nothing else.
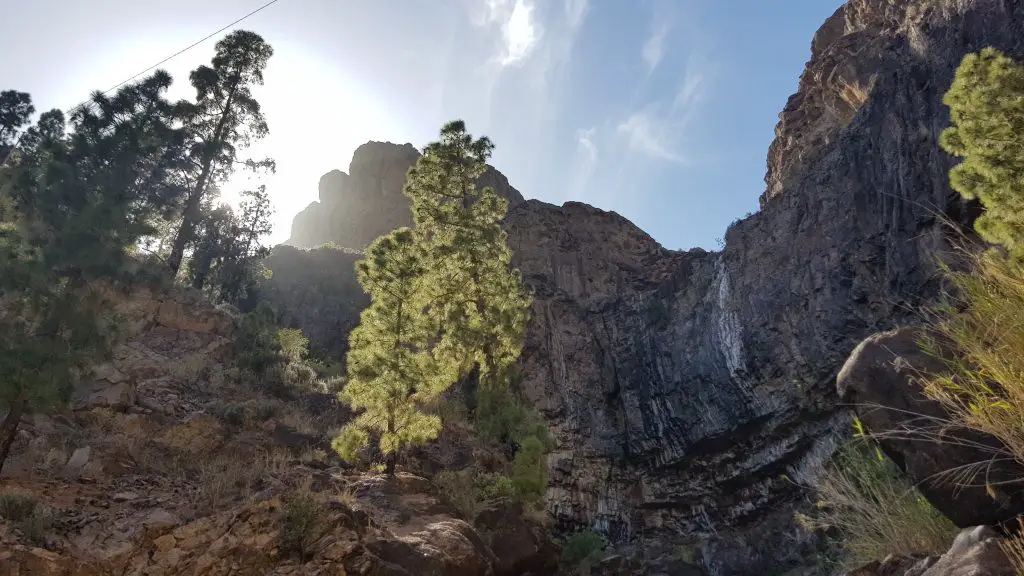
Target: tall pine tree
(477, 302)
(986, 106)
(390, 370)
(224, 119)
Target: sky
(661, 110)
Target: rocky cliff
(690, 391)
(356, 207)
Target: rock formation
(964, 476)
(357, 207)
(690, 391)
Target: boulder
(519, 545)
(880, 380)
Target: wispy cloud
(659, 130)
(575, 11)
(644, 134)
(583, 165)
(520, 30)
(654, 47)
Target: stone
(79, 459)
(520, 546)
(159, 520)
(880, 380)
(125, 497)
(975, 552)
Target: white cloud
(646, 134)
(583, 166)
(575, 11)
(520, 32)
(658, 130)
(654, 47)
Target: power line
(164, 61)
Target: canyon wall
(689, 392)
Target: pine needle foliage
(477, 304)
(391, 373)
(986, 106)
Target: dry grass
(1013, 547)
(876, 511)
(984, 387)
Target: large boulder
(881, 380)
(520, 546)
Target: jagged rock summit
(356, 207)
(690, 392)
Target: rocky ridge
(690, 391)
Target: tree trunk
(389, 463)
(191, 215)
(9, 428)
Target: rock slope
(690, 391)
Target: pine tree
(986, 104)
(477, 302)
(227, 252)
(224, 118)
(15, 111)
(81, 201)
(390, 371)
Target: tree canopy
(986, 106)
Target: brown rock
(520, 546)
(881, 380)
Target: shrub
(500, 416)
(27, 516)
(16, 507)
(301, 525)
(256, 345)
(529, 472)
(466, 489)
(877, 513)
(584, 548)
(294, 344)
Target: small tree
(986, 105)
(390, 372)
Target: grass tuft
(876, 511)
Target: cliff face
(687, 391)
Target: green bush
(501, 416)
(302, 524)
(256, 345)
(530, 472)
(33, 521)
(16, 507)
(294, 344)
(584, 548)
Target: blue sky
(661, 110)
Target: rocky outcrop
(356, 207)
(689, 392)
(964, 476)
(977, 551)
